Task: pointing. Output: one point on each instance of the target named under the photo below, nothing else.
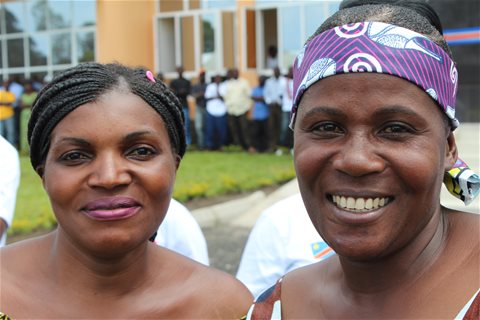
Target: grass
(201, 174)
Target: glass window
(315, 15)
(1, 56)
(84, 13)
(208, 28)
(37, 15)
(218, 4)
(14, 16)
(85, 46)
(61, 49)
(290, 34)
(15, 53)
(38, 50)
(60, 14)
(166, 44)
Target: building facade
(38, 38)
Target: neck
(401, 268)
(75, 267)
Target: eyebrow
(324, 110)
(135, 135)
(73, 140)
(395, 110)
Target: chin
(114, 245)
(357, 249)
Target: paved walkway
(226, 226)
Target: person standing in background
(286, 138)
(26, 102)
(273, 94)
(16, 88)
(198, 92)
(182, 87)
(216, 125)
(238, 103)
(260, 113)
(7, 124)
(9, 181)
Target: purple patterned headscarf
(383, 48)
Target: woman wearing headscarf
(373, 119)
(106, 141)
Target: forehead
(115, 111)
(361, 90)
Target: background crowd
(227, 110)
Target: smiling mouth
(353, 204)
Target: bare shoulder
(464, 227)
(224, 296)
(208, 292)
(306, 290)
(19, 271)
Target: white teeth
(359, 204)
(350, 203)
(369, 204)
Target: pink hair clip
(150, 77)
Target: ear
(177, 161)
(451, 152)
(40, 170)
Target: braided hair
(86, 83)
(416, 15)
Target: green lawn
(201, 174)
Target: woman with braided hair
(106, 141)
(373, 118)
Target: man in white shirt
(9, 181)
(216, 125)
(181, 233)
(282, 240)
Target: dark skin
(410, 257)
(92, 268)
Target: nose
(109, 171)
(359, 156)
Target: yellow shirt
(6, 101)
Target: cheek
(419, 168)
(309, 158)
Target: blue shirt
(260, 109)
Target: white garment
(287, 98)
(273, 91)
(237, 96)
(9, 181)
(282, 240)
(181, 233)
(215, 106)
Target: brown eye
(327, 127)
(142, 153)
(73, 157)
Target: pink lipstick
(112, 208)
